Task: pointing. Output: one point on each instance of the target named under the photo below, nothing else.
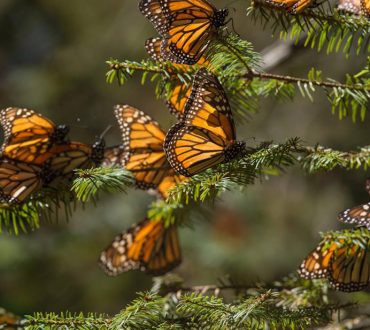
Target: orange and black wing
(317, 263)
(28, 135)
(294, 6)
(147, 246)
(68, 157)
(186, 26)
(359, 215)
(205, 136)
(350, 268)
(18, 181)
(152, 10)
(143, 147)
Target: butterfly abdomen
(220, 17)
(59, 135)
(234, 150)
(97, 154)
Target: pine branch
(53, 321)
(90, 182)
(241, 77)
(46, 206)
(333, 30)
(256, 312)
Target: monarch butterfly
(71, 156)
(147, 246)
(143, 151)
(293, 6)
(346, 265)
(350, 6)
(19, 180)
(181, 92)
(205, 136)
(359, 215)
(28, 135)
(187, 26)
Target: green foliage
(102, 179)
(65, 321)
(324, 30)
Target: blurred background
(52, 59)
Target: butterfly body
(142, 151)
(186, 26)
(205, 136)
(28, 136)
(345, 264)
(147, 246)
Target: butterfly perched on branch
(186, 26)
(205, 136)
(180, 91)
(293, 6)
(35, 153)
(28, 135)
(142, 151)
(345, 264)
(147, 246)
(358, 215)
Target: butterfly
(147, 246)
(345, 266)
(293, 6)
(28, 135)
(142, 151)
(350, 6)
(186, 26)
(180, 91)
(359, 215)
(68, 157)
(205, 136)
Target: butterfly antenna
(105, 131)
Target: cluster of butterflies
(203, 137)
(345, 263)
(36, 154)
(356, 7)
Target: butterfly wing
(28, 135)
(177, 99)
(18, 180)
(317, 263)
(359, 215)
(190, 30)
(147, 246)
(152, 10)
(143, 147)
(71, 156)
(206, 135)
(350, 269)
(112, 156)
